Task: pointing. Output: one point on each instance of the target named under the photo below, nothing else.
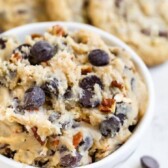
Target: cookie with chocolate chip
(67, 10)
(18, 12)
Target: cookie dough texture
(143, 25)
(63, 132)
(18, 12)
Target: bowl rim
(148, 114)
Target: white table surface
(155, 142)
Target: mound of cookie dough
(141, 24)
(67, 98)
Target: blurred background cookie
(18, 12)
(67, 10)
(141, 24)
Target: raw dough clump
(67, 98)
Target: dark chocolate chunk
(68, 93)
(54, 117)
(149, 162)
(69, 161)
(63, 149)
(122, 117)
(132, 128)
(41, 163)
(40, 52)
(51, 87)
(34, 98)
(88, 82)
(86, 99)
(98, 57)
(2, 43)
(110, 127)
(9, 153)
(86, 144)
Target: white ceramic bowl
(129, 147)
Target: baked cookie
(142, 24)
(67, 98)
(18, 12)
(67, 10)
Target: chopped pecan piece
(116, 84)
(37, 36)
(58, 30)
(86, 70)
(16, 57)
(34, 130)
(77, 138)
(55, 142)
(107, 105)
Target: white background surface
(155, 142)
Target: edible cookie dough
(141, 24)
(67, 98)
(18, 12)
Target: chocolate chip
(88, 82)
(21, 50)
(98, 57)
(34, 98)
(86, 144)
(122, 117)
(54, 117)
(9, 153)
(75, 124)
(163, 33)
(118, 3)
(63, 149)
(146, 32)
(69, 161)
(110, 127)
(41, 163)
(93, 155)
(51, 87)
(68, 93)
(132, 128)
(66, 125)
(2, 146)
(40, 52)
(149, 162)
(2, 43)
(86, 99)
